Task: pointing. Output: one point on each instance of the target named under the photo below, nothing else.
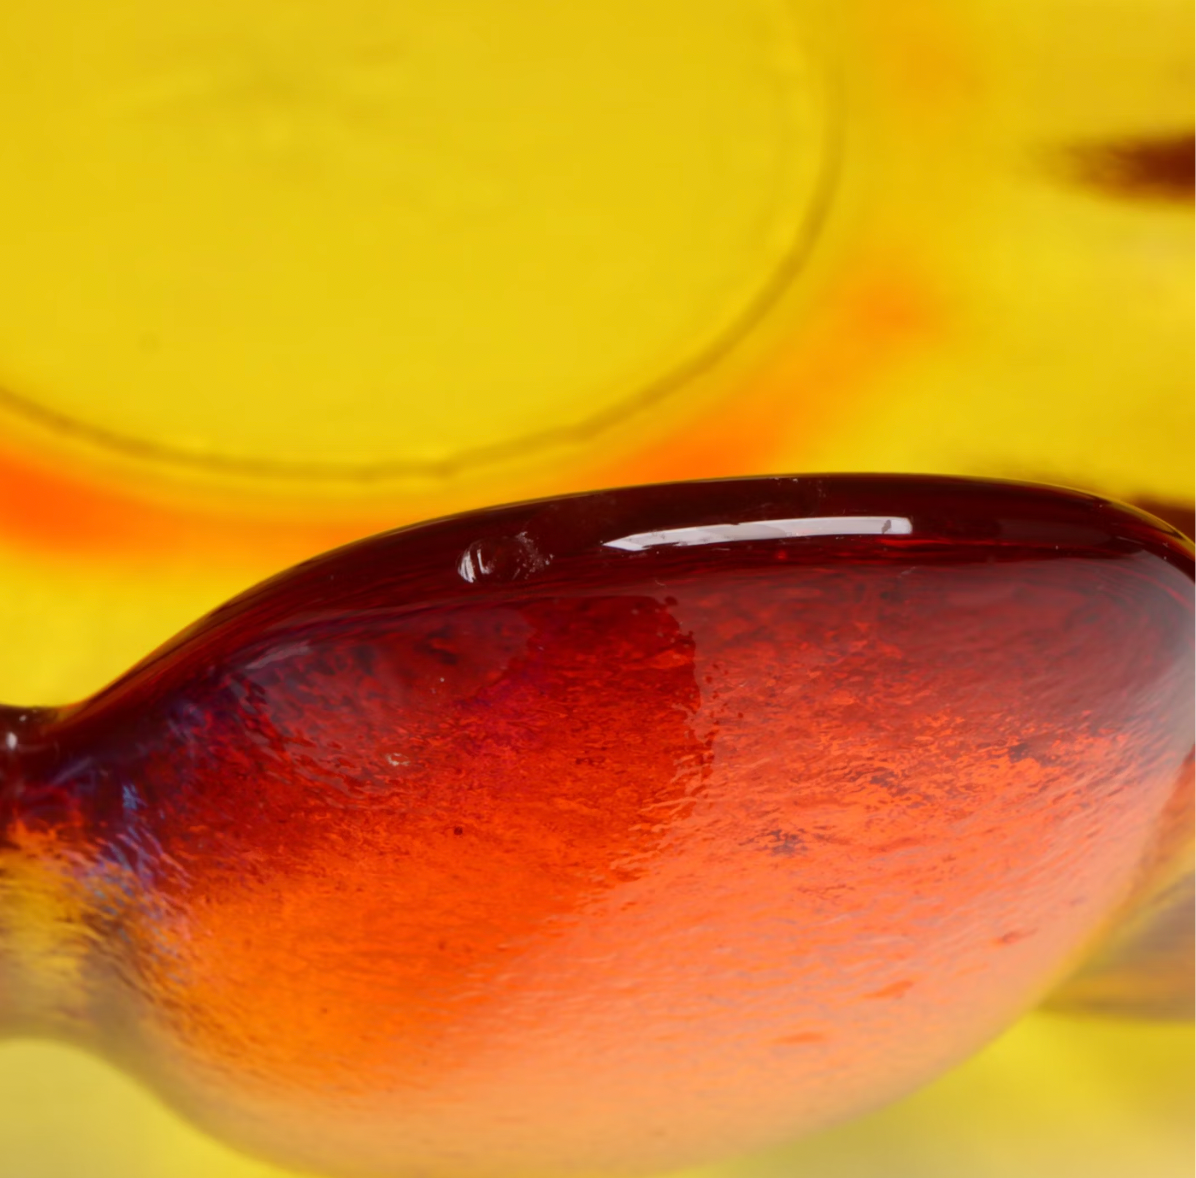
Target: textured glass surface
(610, 832)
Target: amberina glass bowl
(611, 832)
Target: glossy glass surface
(610, 832)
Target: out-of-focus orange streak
(880, 314)
(58, 513)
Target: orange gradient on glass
(612, 832)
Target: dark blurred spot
(1015, 935)
(1160, 169)
(780, 842)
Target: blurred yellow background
(281, 274)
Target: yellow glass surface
(279, 274)
(503, 220)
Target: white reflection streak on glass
(766, 529)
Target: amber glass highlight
(607, 833)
